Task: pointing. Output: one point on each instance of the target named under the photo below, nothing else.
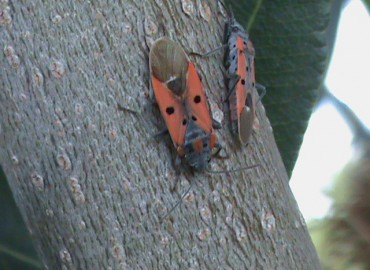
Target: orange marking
(199, 110)
(198, 146)
(166, 99)
(241, 89)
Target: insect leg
(161, 133)
(218, 149)
(177, 180)
(216, 154)
(178, 202)
(216, 124)
(235, 80)
(210, 53)
(123, 108)
(262, 89)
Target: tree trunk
(89, 178)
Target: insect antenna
(234, 170)
(178, 202)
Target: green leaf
(16, 248)
(367, 4)
(293, 42)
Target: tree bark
(89, 178)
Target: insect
(183, 104)
(240, 73)
(241, 83)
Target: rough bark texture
(89, 178)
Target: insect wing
(172, 111)
(168, 68)
(169, 64)
(245, 104)
(196, 100)
(245, 122)
(251, 80)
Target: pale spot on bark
(63, 161)
(205, 11)
(37, 181)
(268, 221)
(187, 7)
(57, 69)
(75, 188)
(65, 256)
(204, 234)
(150, 27)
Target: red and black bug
(183, 103)
(240, 79)
(241, 82)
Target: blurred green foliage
(342, 239)
(367, 3)
(16, 249)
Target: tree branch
(89, 179)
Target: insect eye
(170, 110)
(197, 99)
